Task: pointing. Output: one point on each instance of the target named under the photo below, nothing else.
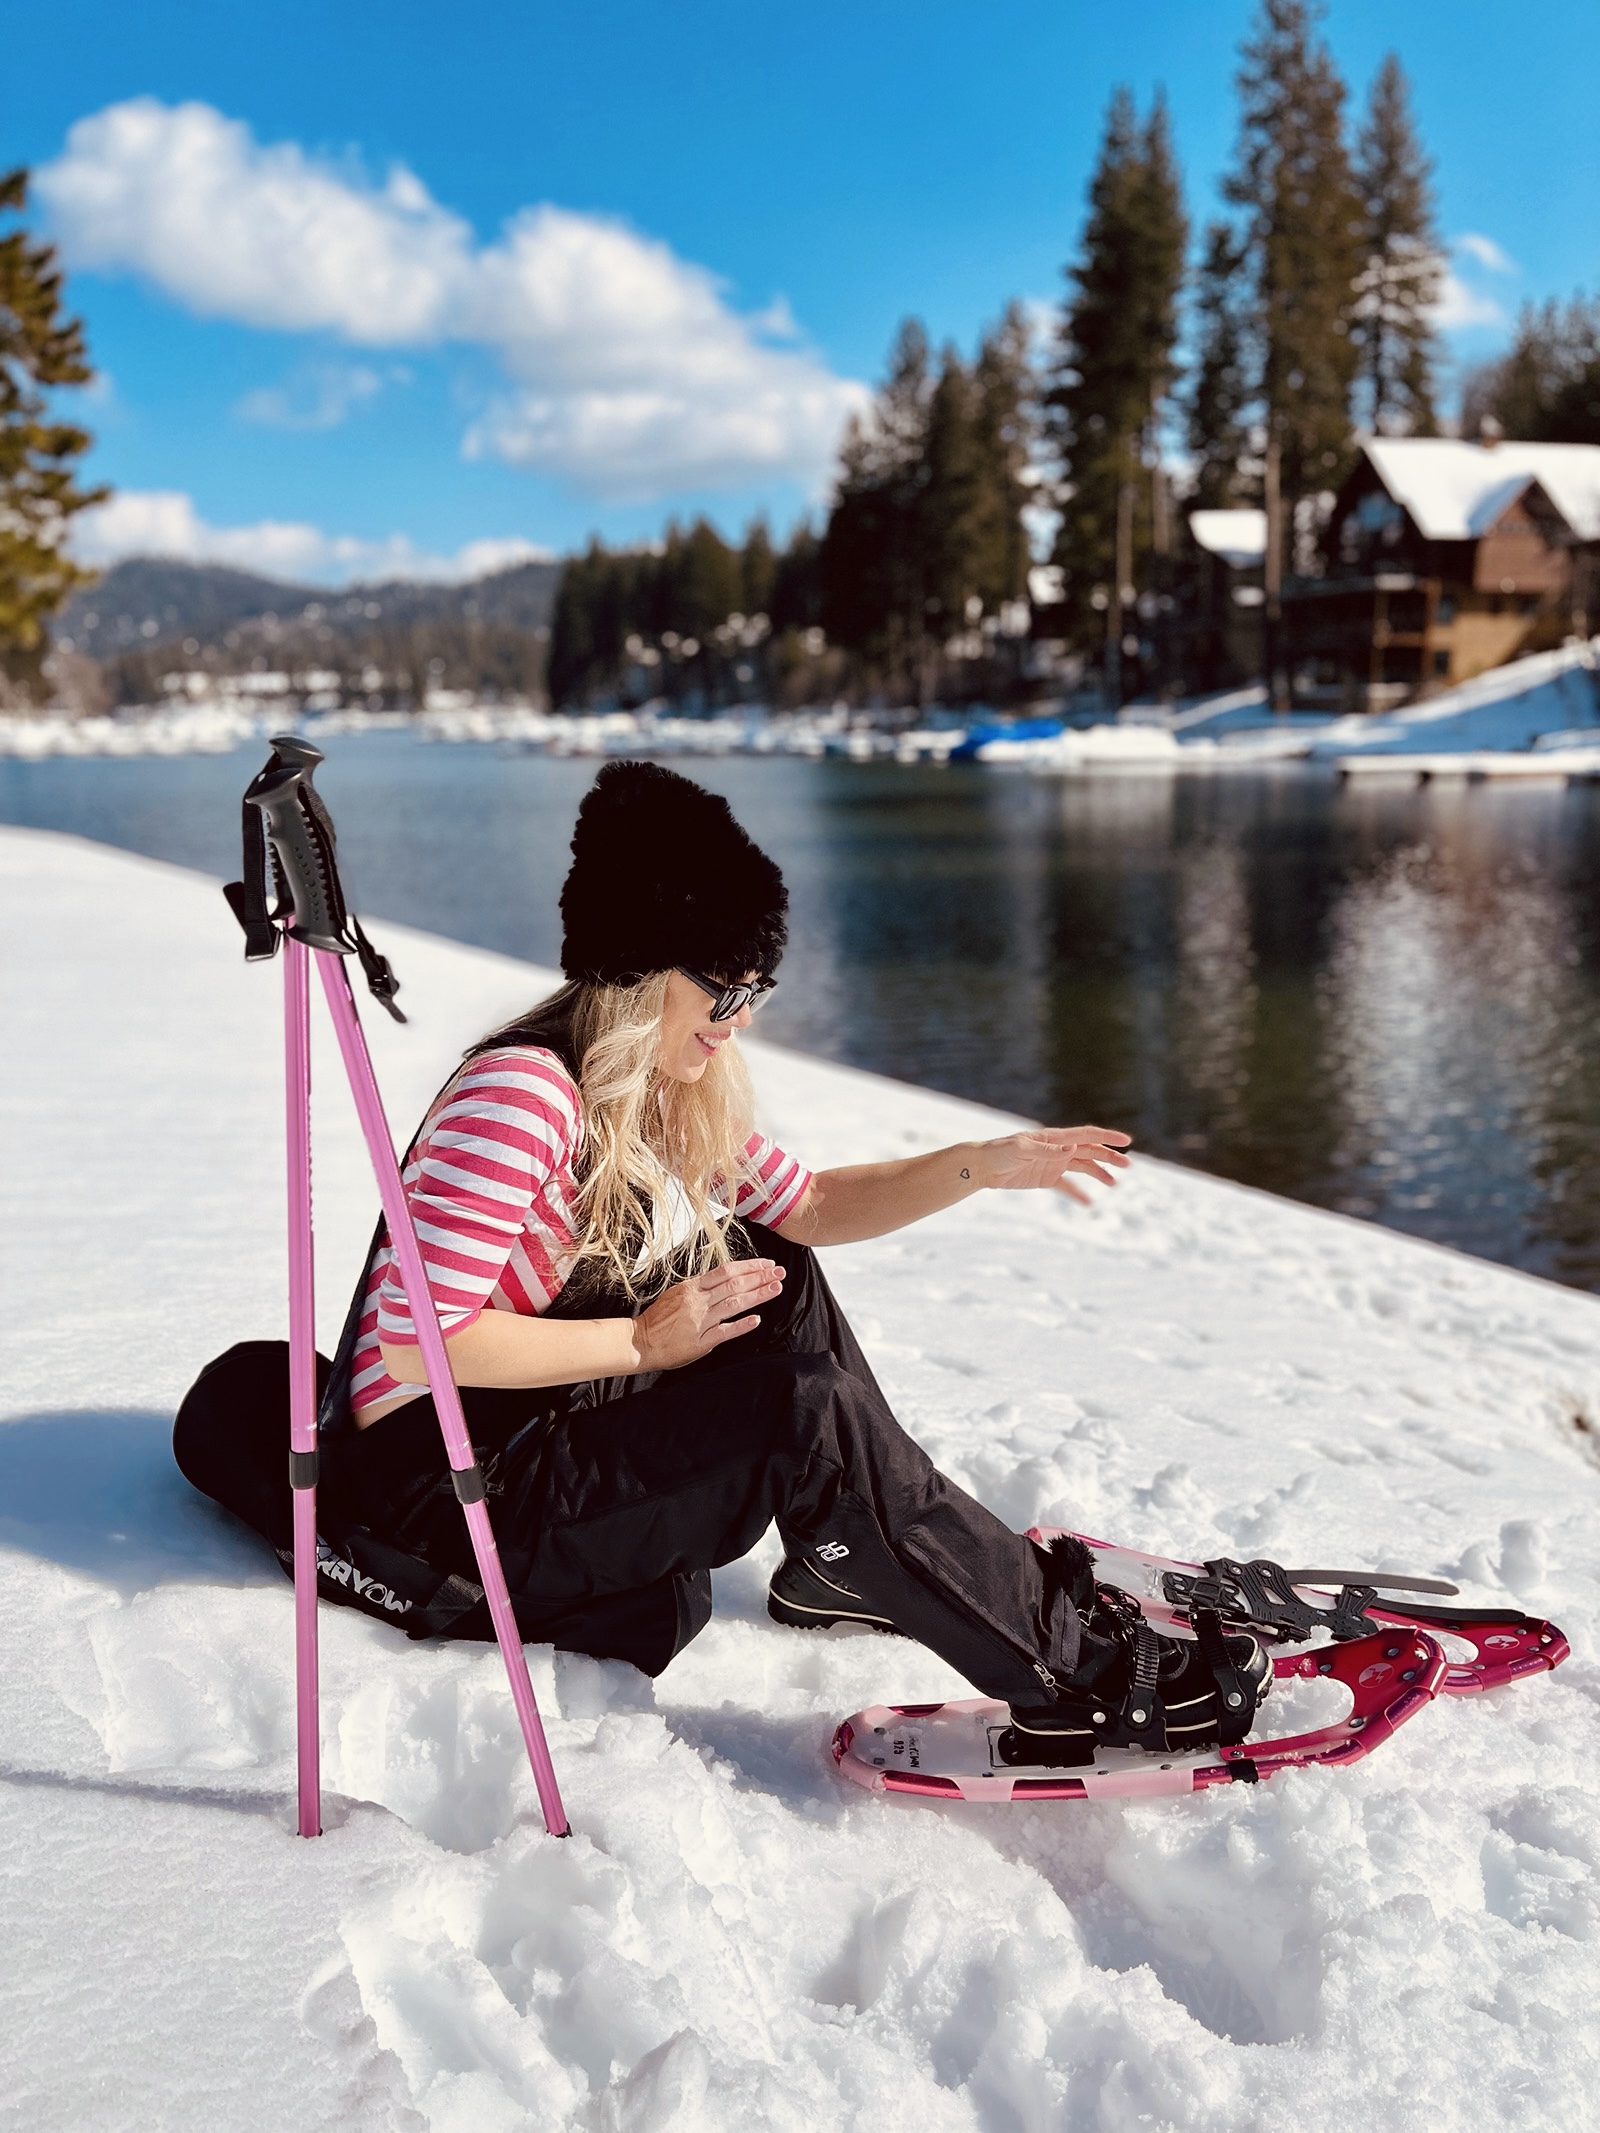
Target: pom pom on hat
(663, 877)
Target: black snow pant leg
(687, 1472)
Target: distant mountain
(152, 600)
(152, 617)
(151, 597)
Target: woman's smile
(689, 1040)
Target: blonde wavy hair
(660, 1161)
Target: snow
(735, 1938)
(1239, 537)
(1455, 491)
(1109, 746)
(215, 726)
(211, 728)
(1509, 707)
(1512, 707)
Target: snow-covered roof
(1455, 491)
(1239, 537)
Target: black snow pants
(605, 1494)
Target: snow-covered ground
(215, 726)
(1507, 709)
(734, 1938)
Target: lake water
(1381, 1001)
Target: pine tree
(758, 570)
(588, 625)
(1546, 387)
(1003, 423)
(1114, 368)
(1302, 237)
(1399, 283)
(870, 566)
(40, 348)
(950, 507)
(796, 586)
(1220, 393)
(694, 583)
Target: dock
(1477, 766)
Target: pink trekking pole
(302, 1378)
(283, 811)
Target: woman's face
(690, 1040)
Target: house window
(1441, 665)
(1447, 607)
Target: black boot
(806, 1593)
(1134, 1688)
(812, 1591)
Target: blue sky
(375, 286)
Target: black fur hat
(663, 876)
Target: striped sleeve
(773, 1184)
(506, 1126)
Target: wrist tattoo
(966, 1173)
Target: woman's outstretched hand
(1050, 1156)
(692, 1317)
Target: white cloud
(1459, 305)
(317, 397)
(627, 371)
(267, 236)
(164, 522)
(1486, 252)
(1462, 301)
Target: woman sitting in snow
(653, 1368)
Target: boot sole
(796, 1614)
(793, 1616)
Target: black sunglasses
(728, 1000)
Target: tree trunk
(1121, 595)
(1272, 648)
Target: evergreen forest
(1016, 517)
(1004, 522)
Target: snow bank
(214, 727)
(1509, 707)
(190, 729)
(1108, 747)
(735, 1939)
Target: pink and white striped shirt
(492, 1194)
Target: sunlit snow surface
(734, 1938)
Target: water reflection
(1381, 1001)
(1214, 992)
(1460, 1029)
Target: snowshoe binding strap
(1261, 1597)
(1235, 1704)
(1143, 1717)
(289, 833)
(1383, 1580)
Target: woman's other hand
(1050, 1156)
(693, 1317)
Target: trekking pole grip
(302, 845)
(296, 824)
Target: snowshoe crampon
(1486, 1646)
(950, 1750)
(1387, 1658)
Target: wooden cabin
(1219, 636)
(1443, 559)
